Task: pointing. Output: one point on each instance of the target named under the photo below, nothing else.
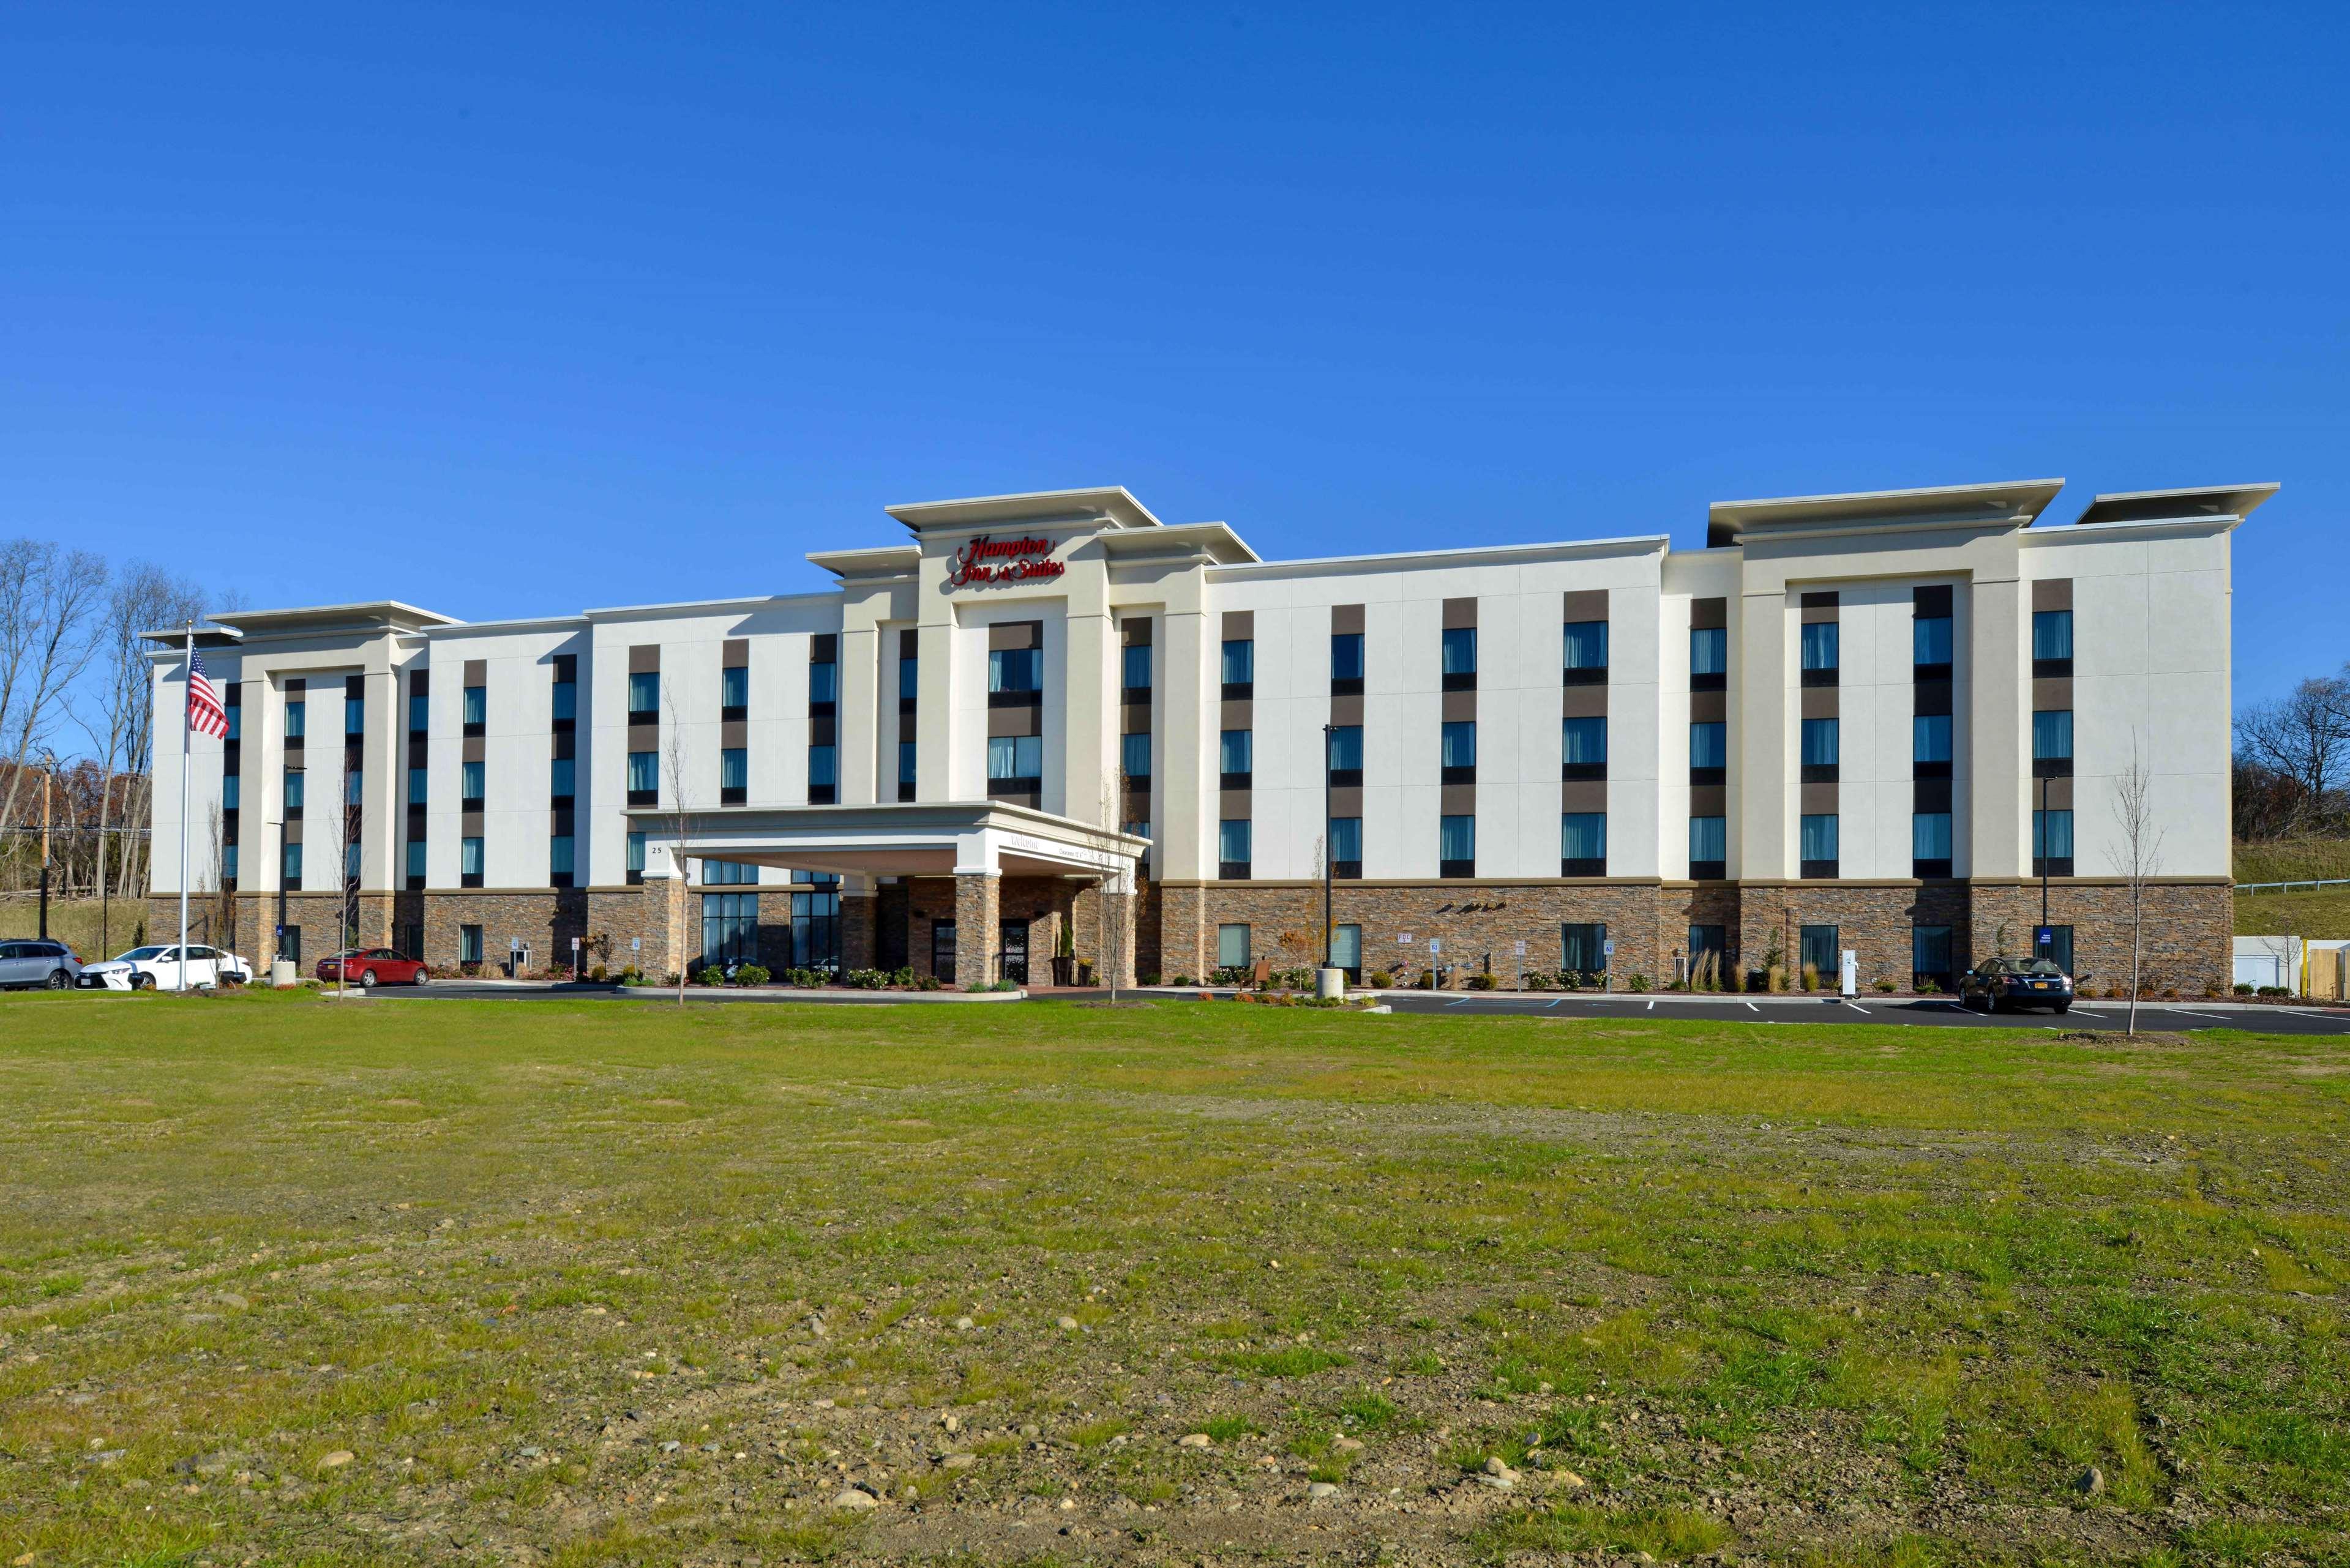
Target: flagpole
(186, 734)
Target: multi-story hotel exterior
(1871, 721)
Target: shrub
(710, 974)
(868, 979)
(752, 975)
(1636, 980)
(1231, 974)
(2270, 991)
(1927, 986)
(927, 982)
(2243, 988)
(1811, 977)
(1147, 977)
(633, 975)
(1480, 982)
(1883, 986)
(1381, 980)
(1182, 980)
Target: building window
(1709, 848)
(1930, 742)
(1236, 757)
(1346, 847)
(420, 713)
(1929, 844)
(1138, 829)
(231, 791)
(469, 944)
(1582, 843)
(1345, 663)
(909, 679)
(824, 776)
(730, 927)
(816, 921)
(469, 862)
(1015, 759)
(2052, 642)
(2058, 948)
(566, 702)
(1820, 652)
(473, 786)
(562, 773)
(1713, 942)
(1459, 659)
(734, 770)
(1015, 669)
(1818, 855)
(644, 697)
(1709, 743)
(1929, 645)
(234, 715)
(1587, 653)
(1240, 667)
(354, 716)
(1232, 947)
(644, 778)
(1456, 846)
(1347, 952)
(1583, 949)
(635, 865)
(906, 763)
(420, 786)
(416, 862)
(1582, 745)
(1817, 950)
(296, 720)
(823, 686)
(1134, 755)
(477, 710)
(354, 788)
(1708, 658)
(558, 860)
(1821, 750)
(1346, 760)
(1136, 660)
(290, 865)
(1930, 957)
(2051, 843)
(735, 690)
(728, 874)
(228, 865)
(2051, 743)
(351, 863)
(1232, 847)
(294, 789)
(1457, 749)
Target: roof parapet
(2198, 503)
(2009, 504)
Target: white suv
(145, 968)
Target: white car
(147, 969)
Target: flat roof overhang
(914, 839)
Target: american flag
(204, 710)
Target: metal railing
(2298, 883)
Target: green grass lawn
(289, 1281)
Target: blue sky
(508, 311)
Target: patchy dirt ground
(459, 1283)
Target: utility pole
(49, 777)
(2040, 835)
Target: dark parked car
(38, 961)
(373, 966)
(1998, 984)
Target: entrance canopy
(934, 838)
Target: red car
(372, 966)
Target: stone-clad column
(978, 900)
(856, 931)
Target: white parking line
(1752, 1008)
(1652, 1004)
(2188, 1010)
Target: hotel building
(1868, 721)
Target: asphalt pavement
(2169, 1017)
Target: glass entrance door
(943, 951)
(1015, 952)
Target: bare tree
(2137, 857)
(681, 816)
(119, 717)
(50, 603)
(2304, 740)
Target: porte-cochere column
(979, 901)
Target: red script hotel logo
(986, 560)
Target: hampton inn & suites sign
(991, 560)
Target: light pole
(1329, 848)
(2041, 938)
